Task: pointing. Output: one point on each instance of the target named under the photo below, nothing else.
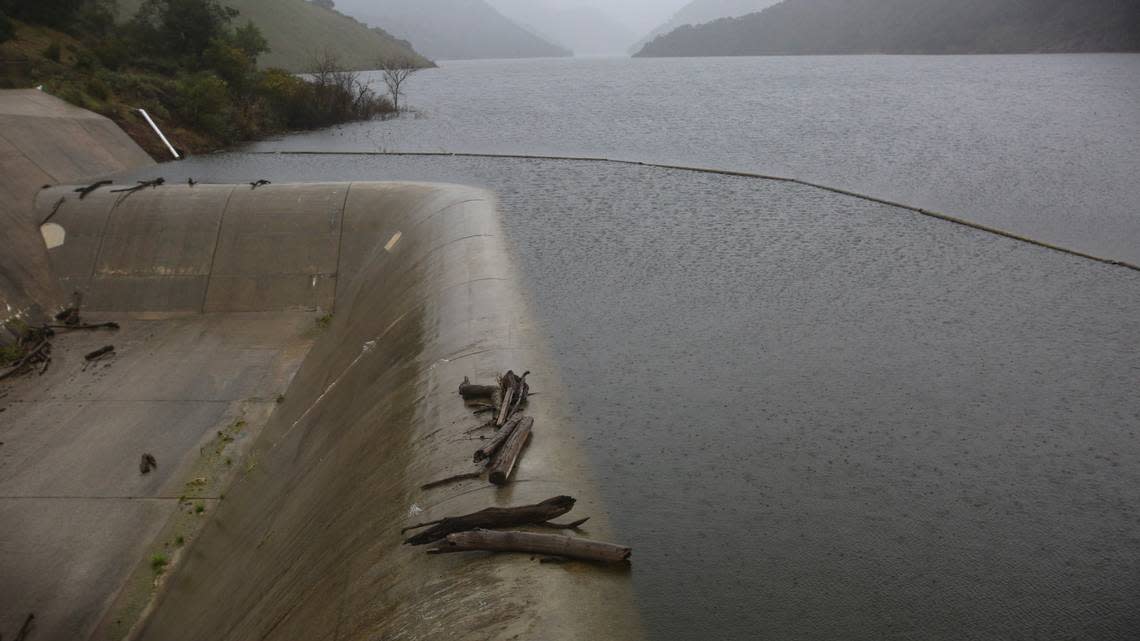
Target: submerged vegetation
(191, 64)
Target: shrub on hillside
(53, 52)
(7, 29)
(204, 101)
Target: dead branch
(143, 184)
(26, 629)
(508, 455)
(495, 517)
(451, 479)
(86, 191)
(531, 543)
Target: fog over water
(1040, 145)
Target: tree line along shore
(196, 66)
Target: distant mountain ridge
(797, 27)
(453, 29)
(702, 11)
(583, 29)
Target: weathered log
(100, 353)
(493, 517)
(508, 455)
(488, 450)
(530, 543)
(470, 391)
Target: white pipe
(160, 135)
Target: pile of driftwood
(472, 532)
(498, 457)
(33, 345)
(500, 454)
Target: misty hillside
(584, 30)
(913, 26)
(702, 11)
(452, 29)
(297, 30)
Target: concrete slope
(306, 544)
(45, 141)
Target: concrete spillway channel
(292, 453)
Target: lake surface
(818, 417)
(1045, 146)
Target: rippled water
(822, 418)
(1042, 145)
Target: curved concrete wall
(44, 141)
(306, 544)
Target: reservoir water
(1047, 146)
(818, 417)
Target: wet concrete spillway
(289, 354)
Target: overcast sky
(639, 15)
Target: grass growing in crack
(199, 508)
(180, 541)
(158, 563)
(324, 321)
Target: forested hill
(702, 11)
(913, 26)
(298, 31)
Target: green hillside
(297, 30)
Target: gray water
(818, 417)
(1047, 146)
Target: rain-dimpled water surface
(1047, 146)
(816, 417)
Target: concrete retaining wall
(306, 544)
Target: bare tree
(396, 72)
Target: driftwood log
(514, 390)
(531, 543)
(100, 353)
(493, 517)
(508, 454)
(489, 450)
